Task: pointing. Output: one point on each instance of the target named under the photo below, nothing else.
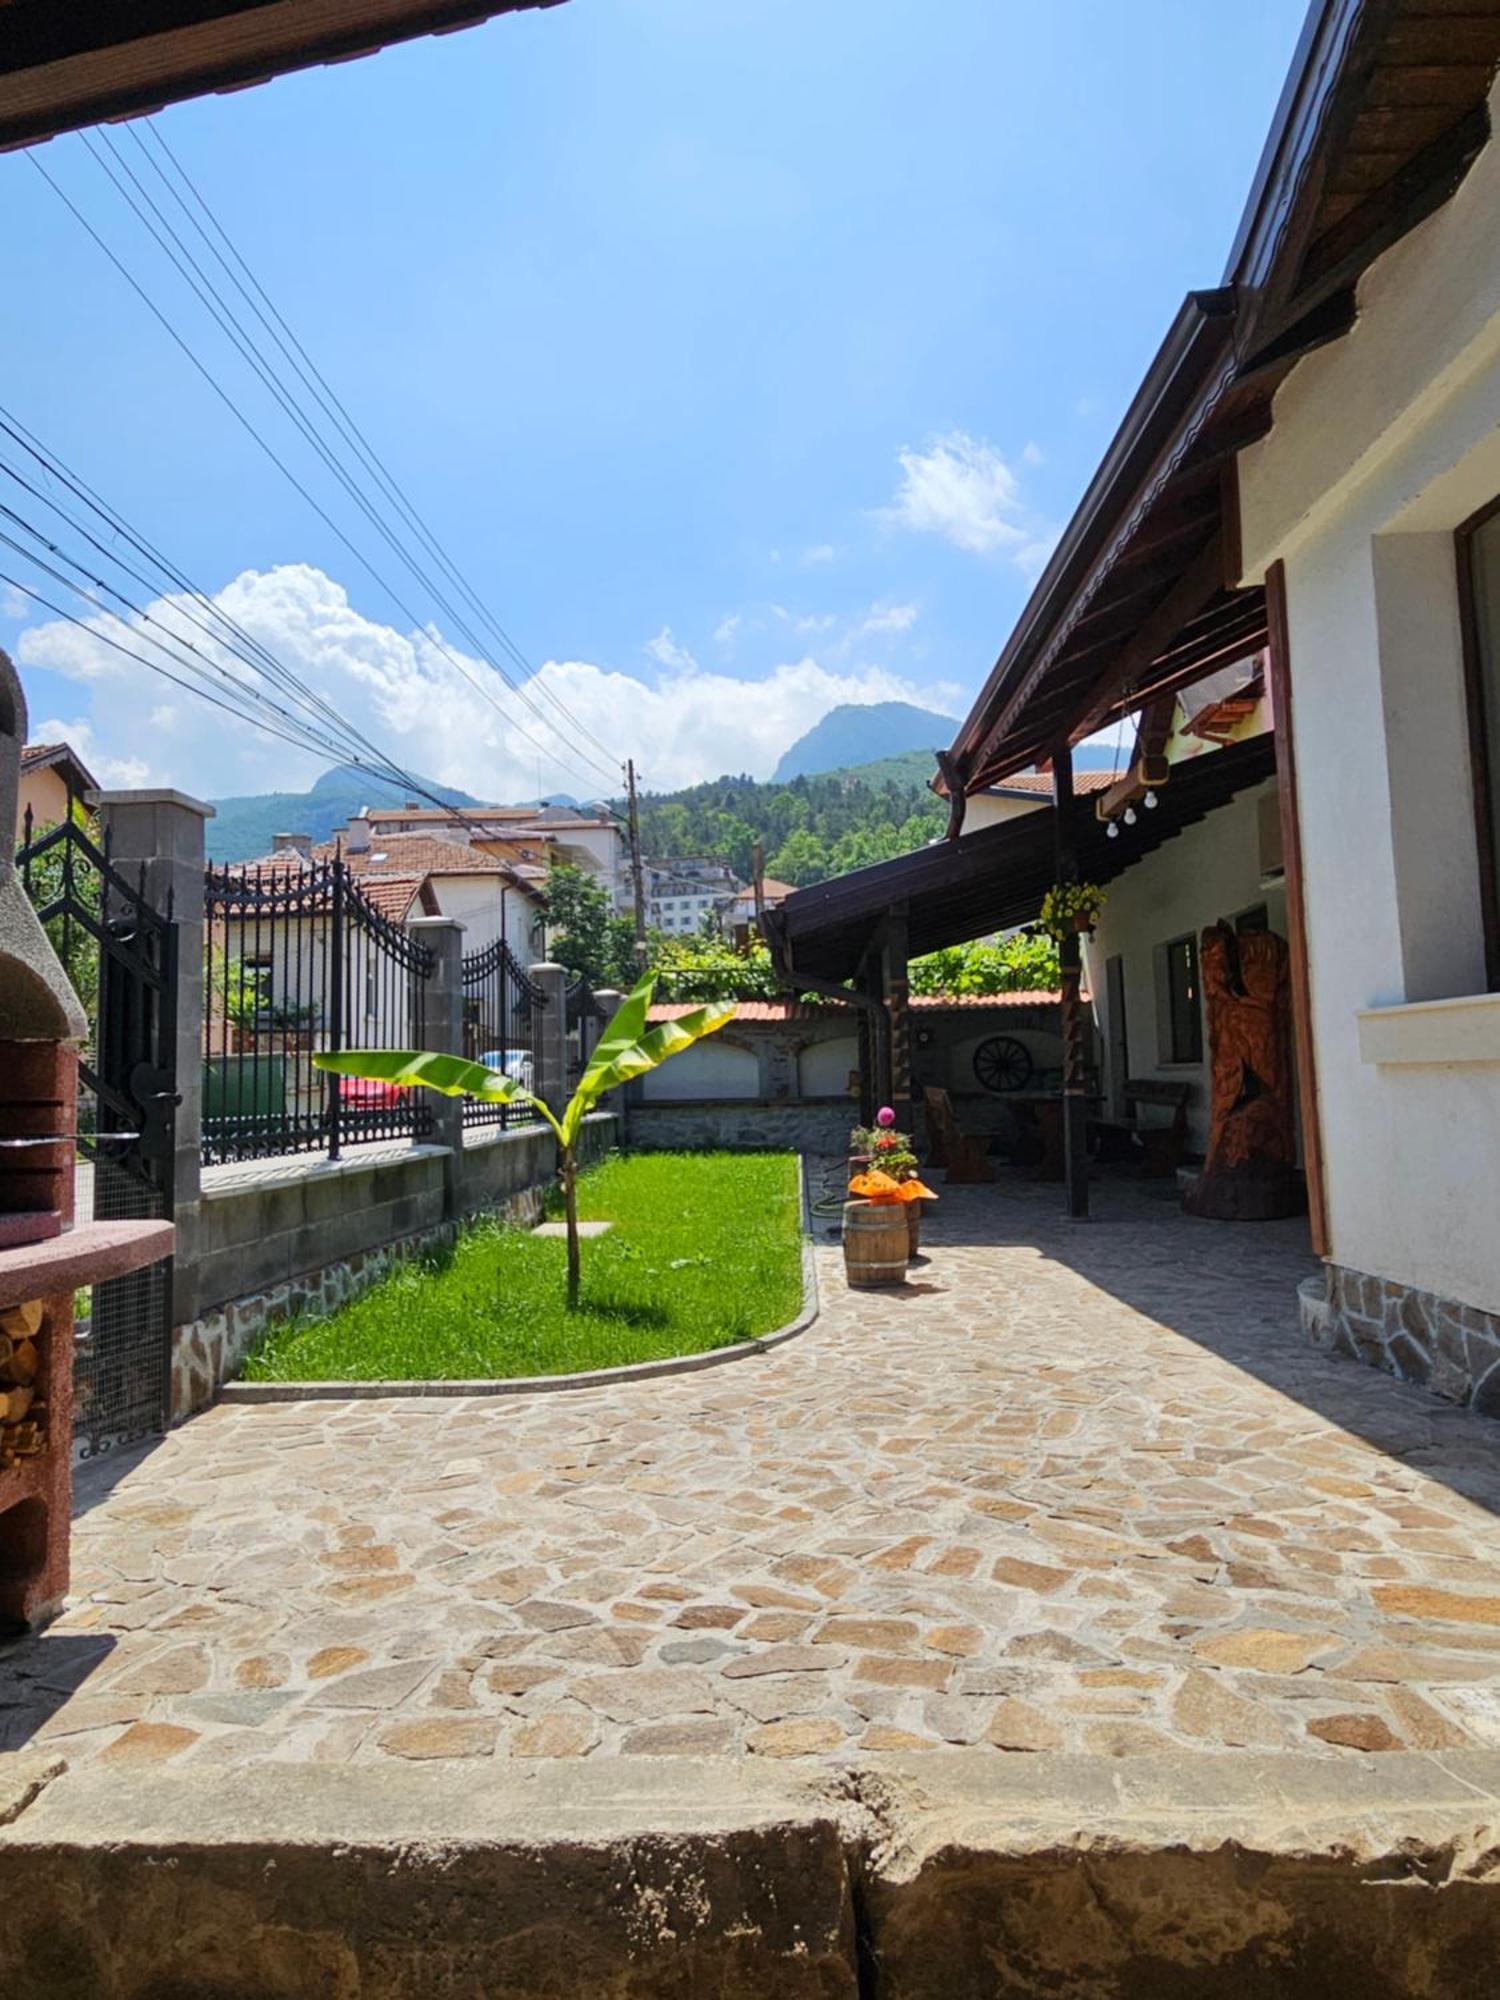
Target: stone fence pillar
(551, 1053)
(157, 837)
(441, 1029)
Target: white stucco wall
(950, 1065)
(711, 1069)
(823, 1067)
(476, 900)
(1382, 444)
(1211, 870)
(992, 809)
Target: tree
(801, 858)
(56, 878)
(625, 1049)
(707, 967)
(587, 935)
(1023, 963)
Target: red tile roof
(1041, 782)
(417, 854)
(392, 895)
(831, 1010)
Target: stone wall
(1452, 1349)
(736, 1125)
(310, 1234)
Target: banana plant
(627, 1048)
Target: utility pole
(635, 864)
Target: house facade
(1379, 534)
(53, 778)
(1285, 579)
(681, 894)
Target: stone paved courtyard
(1075, 1488)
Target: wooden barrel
(874, 1243)
(913, 1227)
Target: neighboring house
(591, 840)
(1025, 792)
(1287, 571)
(52, 775)
(283, 956)
(680, 894)
(737, 917)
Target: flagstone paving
(1073, 1488)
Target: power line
(336, 409)
(224, 316)
(276, 459)
(346, 743)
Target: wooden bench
(1162, 1146)
(964, 1157)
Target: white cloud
(666, 651)
(890, 618)
(726, 628)
(1031, 452)
(961, 488)
(113, 773)
(819, 554)
(13, 603)
(403, 690)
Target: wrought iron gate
(121, 954)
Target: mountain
(242, 827)
(855, 734)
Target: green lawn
(705, 1250)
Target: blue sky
(747, 356)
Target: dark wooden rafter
(988, 880)
(67, 66)
(1384, 112)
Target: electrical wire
(346, 743)
(333, 405)
(213, 301)
(279, 462)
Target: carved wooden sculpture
(1250, 1172)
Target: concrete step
(943, 1876)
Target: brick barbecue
(44, 1258)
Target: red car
(368, 1093)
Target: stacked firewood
(23, 1431)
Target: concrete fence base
(308, 1235)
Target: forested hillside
(812, 827)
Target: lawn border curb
(245, 1393)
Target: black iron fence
(301, 959)
(502, 1028)
(120, 952)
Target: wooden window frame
(1174, 1060)
(1484, 781)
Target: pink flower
(885, 1115)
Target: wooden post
(898, 1004)
(1280, 669)
(1070, 965)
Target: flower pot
(1082, 921)
(913, 1228)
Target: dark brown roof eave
(1198, 338)
(993, 879)
(1363, 147)
(63, 67)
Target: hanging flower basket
(1070, 907)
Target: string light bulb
(1149, 802)
(1113, 830)
(1130, 815)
